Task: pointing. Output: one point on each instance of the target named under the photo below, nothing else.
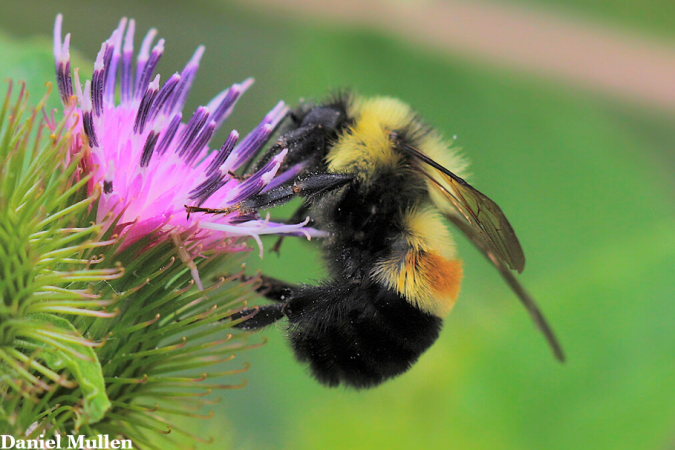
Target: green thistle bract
(95, 339)
(44, 269)
(103, 329)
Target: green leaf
(87, 372)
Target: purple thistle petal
(191, 131)
(63, 80)
(254, 141)
(205, 190)
(87, 115)
(116, 39)
(149, 69)
(146, 104)
(107, 64)
(148, 148)
(194, 148)
(250, 145)
(57, 38)
(126, 80)
(257, 182)
(224, 152)
(226, 105)
(163, 95)
(295, 230)
(99, 77)
(62, 62)
(256, 228)
(187, 77)
(169, 134)
(143, 56)
(88, 124)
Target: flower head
(148, 162)
(97, 337)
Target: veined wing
(483, 215)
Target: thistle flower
(94, 339)
(101, 329)
(149, 164)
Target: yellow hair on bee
(427, 274)
(368, 145)
(434, 146)
(424, 231)
(425, 279)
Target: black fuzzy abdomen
(358, 334)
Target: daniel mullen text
(101, 441)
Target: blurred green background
(587, 181)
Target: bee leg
(300, 142)
(273, 289)
(265, 315)
(315, 184)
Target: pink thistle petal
(148, 165)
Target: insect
(382, 183)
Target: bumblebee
(382, 183)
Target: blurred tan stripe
(595, 57)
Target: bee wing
(514, 284)
(486, 226)
(466, 218)
(483, 215)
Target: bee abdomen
(358, 336)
